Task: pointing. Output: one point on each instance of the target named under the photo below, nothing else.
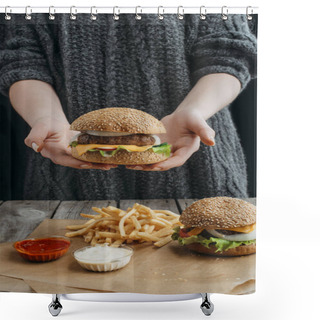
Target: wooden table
(18, 219)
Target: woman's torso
(143, 64)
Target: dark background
(13, 131)
(244, 113)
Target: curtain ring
(73, 13)
(138, 16)
(93, 16)
(28, 13)
(180, 12)
(116, 14)
(203, 13)
(249, 15)
(160, 15)
(224, 13)
(52, 12)
(7, 12)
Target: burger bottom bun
(122, 157)
(238, 251)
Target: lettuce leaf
(220, 244)
(105, 154)
(162, 148)
(73, 144)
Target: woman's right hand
(51, 137)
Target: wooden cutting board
(171, 269)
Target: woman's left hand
(187, 125)
(185, 130)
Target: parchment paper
(171, 269)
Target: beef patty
(133, 139)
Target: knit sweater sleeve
(21, 56)
(224, 46)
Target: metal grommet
(7, 12)
(180, 12)
(224, 13)
(73, 13)
(249, 15)
(28, 13)
(116, 14)
(203, 13)
(93, 15)
(138, 16)
(160, 15)
(52, 12)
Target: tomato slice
(188, 232)
(183, 233)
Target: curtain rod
(129, 10)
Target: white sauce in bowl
(101, 254)
(103, 258)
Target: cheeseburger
(220, 226)
(119, 136)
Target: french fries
(115, 226)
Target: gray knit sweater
(147, 64)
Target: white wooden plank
(251, 200)
(19, 218)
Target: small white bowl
(99, 260)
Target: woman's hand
(51, 138)
(185, 129)
(186, 126)
(38, 104)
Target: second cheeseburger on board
(219, 226)
(121, 136)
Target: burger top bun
(118, 120)
(219, 213)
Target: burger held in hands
(120, 136)
(219, 226)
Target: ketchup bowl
(42, 249)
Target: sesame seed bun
(219, 213)
(122, 157)
(233, 252)
(118, 120)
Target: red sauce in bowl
(42, 250)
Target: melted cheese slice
(195, 231)
(83, 148)
(245, 229)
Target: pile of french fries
(115, 226)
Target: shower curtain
(179, 88)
